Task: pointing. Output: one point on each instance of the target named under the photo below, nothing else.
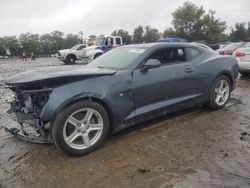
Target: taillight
(239, 54)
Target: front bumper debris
(27, 137)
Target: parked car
(211, 46)
(69, 56)
(230, 48)
(85, 54)
(75, 107)
(202, 45)
(243, 57)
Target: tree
(169, 32)
(71, 40)
(187, 21)
(30, 43)
(239, 33)
(138, 35)
(46, 44)
(57, 41)
(151, 34)
(213, 28)
(192, 23)
(10, 43)
(248, 31)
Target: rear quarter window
(194, 53)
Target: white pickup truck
(85, 53)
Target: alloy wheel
(83, 128)
(222, 91)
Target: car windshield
(118, 59)
(75, 47)
(99, 41)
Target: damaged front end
(28, 105)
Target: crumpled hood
(56, 73)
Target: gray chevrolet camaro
(75, 107)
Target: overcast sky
(102, 17)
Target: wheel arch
(229, 75)
(71, 55)
(98, 53)
(96, 99)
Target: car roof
(172, 39)
(161, 44)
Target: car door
(79, 50)
(172, 85)
(109, 42)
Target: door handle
(189, 70)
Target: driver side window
(81, 47)
(169, 55)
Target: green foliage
(30, 43)
(239, 33)
(71, 40)
(169, 32)
(248, 31)
(213, 29)
(11, 43)
(193, 23)
(187, 21)
(151, 34)
(138, 35)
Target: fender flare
(71, 55)
(83, 96)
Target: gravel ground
(193, 148)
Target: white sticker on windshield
(139, 51)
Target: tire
(67, 126)
(97, 55)
(70, 59)
(218, 98)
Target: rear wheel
(80, 128)
(220, 92)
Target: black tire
(97, 55)
(212, 96)
(70, 59)
(58, 125)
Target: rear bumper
(244, 66)
(244, 70)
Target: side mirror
(151, 63)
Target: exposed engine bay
(28, 105)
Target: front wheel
(80, 128)
(70, 59)
(219, 93)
